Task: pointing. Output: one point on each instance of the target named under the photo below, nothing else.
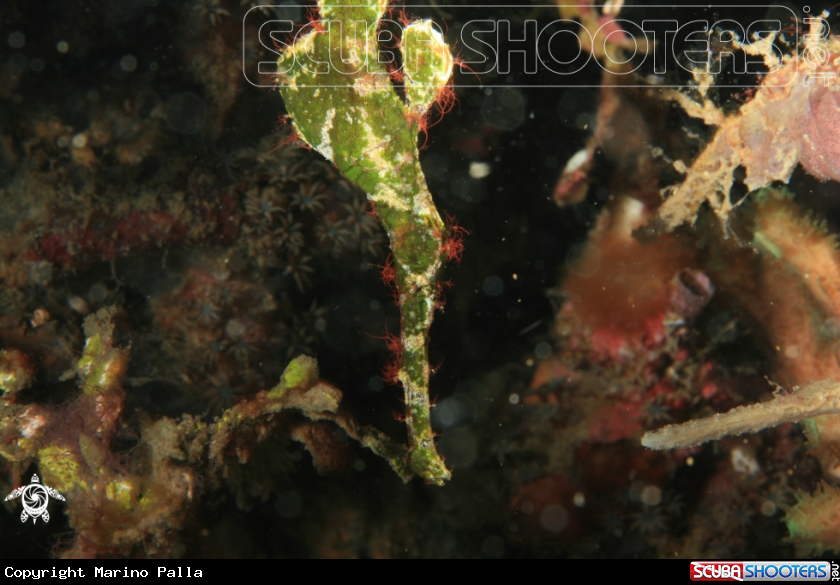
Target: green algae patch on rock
(302, 372)
(61, 469)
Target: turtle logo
(35, 499)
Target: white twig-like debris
(813, 400)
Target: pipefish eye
(830, 329)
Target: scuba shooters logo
(764, 571)
(532, 43)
